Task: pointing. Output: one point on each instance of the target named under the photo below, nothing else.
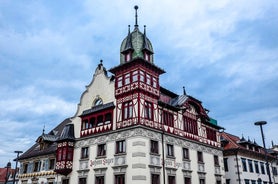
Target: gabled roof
(35, 150)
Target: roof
(98, 108)
(50, 137)
(231, 142)
(3, 174)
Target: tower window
(216, 160)
(168, 119)
(142, 76)
(108, 118)
(154, 82)
(120, 82)
(135, 76)
(100, 120)
(148, 110)
(127, 79)
(127, 110)
(148, 79)
(128, 56)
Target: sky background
(225, 53)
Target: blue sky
(225, 52)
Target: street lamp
(18, 152)
(261, 123)
(7, 174)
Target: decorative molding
(138, 154)
(146, 132)
(139, 177)
(139, 143)
(139, 166)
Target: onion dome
(136, 45)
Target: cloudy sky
(225, 52)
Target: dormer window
(147, 56)
(128, 56)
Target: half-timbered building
(129, 129)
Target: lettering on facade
(105, 161)
(172, 163)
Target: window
(228, 181)
(154, 82)
(262, 167)
(92, 122)
(170, 150)
(244, 166)
(226, 164)
(120, 147)
(200, 156)
(142, 76)
(64, 155)
(187, 180)
(250, 165)
(256, 166)
(108, 118)
(148, 79)
(148, 110)
(37, 166)
(59, 154)
(134, 76)
(127, 110)
(65, 181)
(51, 164)
(120, 82)
(25, 166)
(168, 119)
(84, 152)
(99, 180)
(190, 125)
(202, 181)
(246, 181)
(155, 179)
(154, 146)
(82, 181)
(274, 170)
(127, 79)
(216, 160)
(253, 181)
(85, 124)
(100, 120)
(171, 180)
(101, 150)
(120, 179)
(70, 154)
(185, 153)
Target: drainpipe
(237, 166)
(163, 157)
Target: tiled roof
(51, 148)
(3, 174)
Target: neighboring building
(6, 174)
(38, 162)
(274, 165)
(129, 129)
(245, 161)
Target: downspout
(163, 157)
(237, 166)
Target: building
(6, 174)
(37, 164)
(129, 129)
(245, 161)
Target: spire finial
(43, 129)
(128, 29)
(184, 92)
(144, 29)
(136, 21)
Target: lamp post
(7, 174)
(261, 123)
(18, 152)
